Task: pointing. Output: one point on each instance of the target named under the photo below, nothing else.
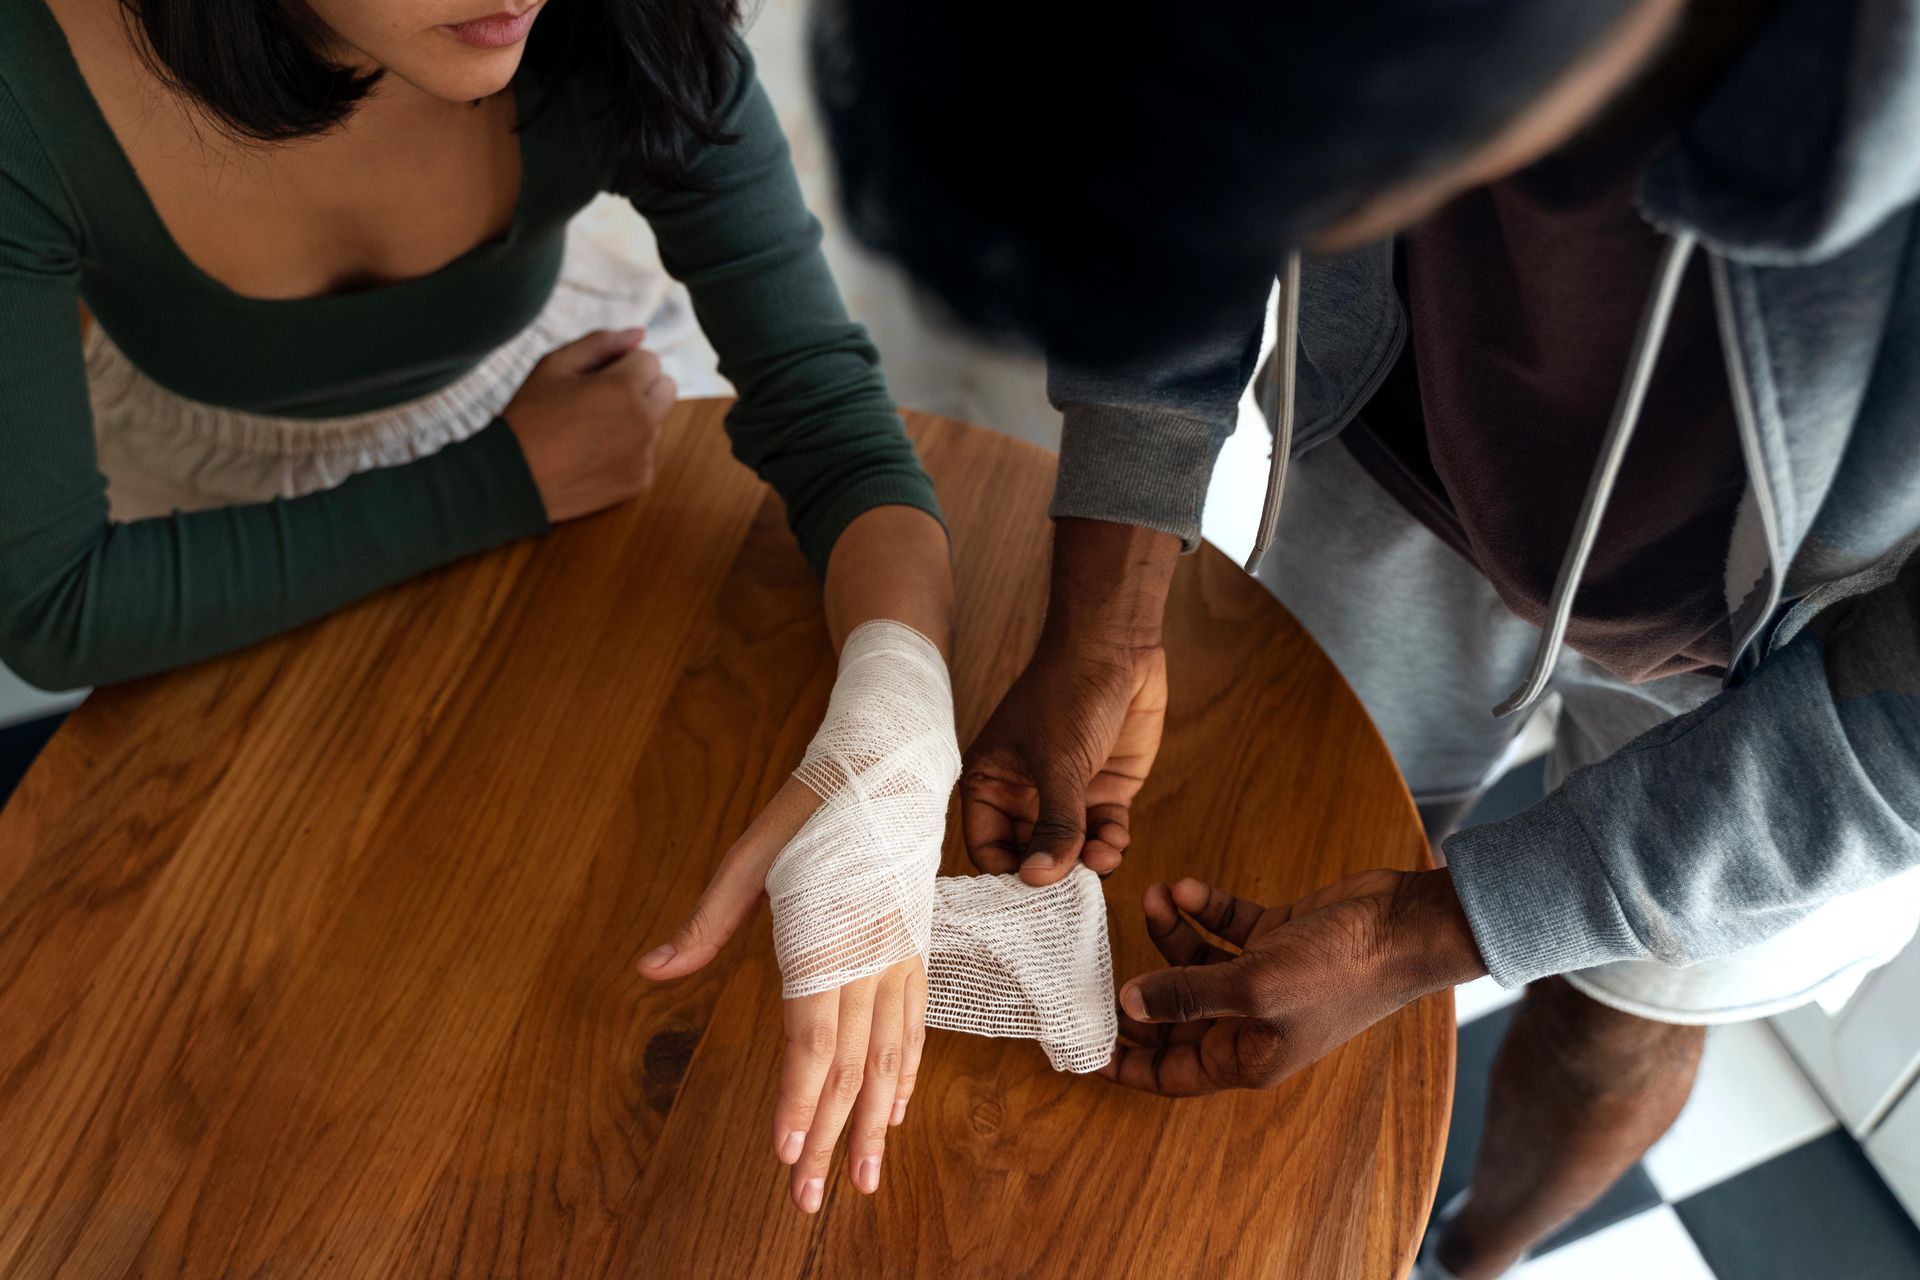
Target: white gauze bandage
(858, 889)
(1012, 960)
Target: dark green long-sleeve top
(85, 601)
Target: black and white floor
(1755, 1181)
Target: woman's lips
(496, 32)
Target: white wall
(928, 368)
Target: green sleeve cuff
(490, 463)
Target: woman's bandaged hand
(857, 889)
(853, 891)
(849, 853)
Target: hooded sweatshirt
(1796, 178)
(1524, 298)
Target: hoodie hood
(1808, 142)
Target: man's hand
(1274, 989)
(1051, 777)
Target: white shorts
(1429, 648)
(162, 452)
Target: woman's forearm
(87, 602)
(892, 562)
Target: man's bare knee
(1601, 1049)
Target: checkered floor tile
(1754, 1182)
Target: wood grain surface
(317, 960)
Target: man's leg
(1579, 1092)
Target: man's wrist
(1109, 582)
(1432, 942)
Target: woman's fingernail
(812, 1191)
(1040, 861)
(790, 1149)
(1130, 1001)
(657, 957)
(899, 1111)
(867, 1174)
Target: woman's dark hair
(649, 76)
(1106, 180)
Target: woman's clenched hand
(588, 421)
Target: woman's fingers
(886, 1056)
(849, 1052)
(913, 1040)
(734, 892)
(812, 1024)
(840, 1088)
(594, 351)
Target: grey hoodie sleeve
(1138, 441)
(1721, 827)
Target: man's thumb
(1191, 992)
(1059, 830)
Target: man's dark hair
(1103, 179)
(648, 76)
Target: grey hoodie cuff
(1144, 467)
(1537, 898)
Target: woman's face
(460, 50)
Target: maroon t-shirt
(1524, 298)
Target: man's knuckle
(1264, 1060)
(1056, 827)
(1184, 999)
(1262, 1076)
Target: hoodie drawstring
(1606, 469)
(1277, 405)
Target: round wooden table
(317, 960)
